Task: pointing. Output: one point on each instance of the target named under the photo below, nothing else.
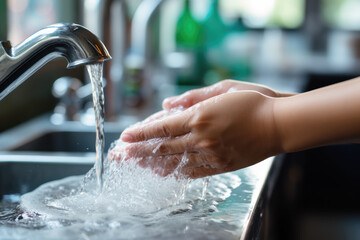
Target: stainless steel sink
(39, 151)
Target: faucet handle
(65, 85)
(69, 106)
(74, 101)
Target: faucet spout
(140, 31)
(71, 41)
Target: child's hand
(220, 134)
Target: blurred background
(164, 47)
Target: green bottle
(189, 43)
(215, 31)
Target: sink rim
(47, 157)
(35, 128)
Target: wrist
(269, 134)
(317, 118)
(293, 124)
(278, 119)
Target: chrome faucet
(71, 41)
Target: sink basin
(39, 151)
(40, 136)
(21, 173)
(66, 141)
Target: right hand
(195, 96)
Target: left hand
(221, 134)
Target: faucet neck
(71, 41)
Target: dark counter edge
(256, 226)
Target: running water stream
(95, 72)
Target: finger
(151, 118)
(193, 97)
(154, 149)
(171, 126)
(168, 146)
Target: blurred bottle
(189, 40)
(214, 27)
(133, 81)
(241, 44)
(215, 31)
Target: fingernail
(126, 137)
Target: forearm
(320, 117)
